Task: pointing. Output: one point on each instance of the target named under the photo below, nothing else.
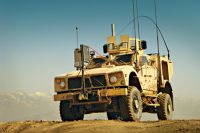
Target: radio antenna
(138, 23)
(158, 45)
(77, 36)
(135, 33)
(159, 65)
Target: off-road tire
(113, 115)
(128, 108)
(165, 110)
(70, 114)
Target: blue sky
(37, 38)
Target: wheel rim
(136, 103)
(169, 109)
(137, 107)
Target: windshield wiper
(121, 61)
(99, 82)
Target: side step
(155, 105)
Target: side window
(111, 46)
(123, 46)
(132, 44)
(144, 60)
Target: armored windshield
(97, 62)
(125, 58)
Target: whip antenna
(159, 66)
(135, 33)
(158, 45)
(77, 36)
(138, 23)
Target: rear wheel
(165, 110)
(131, 105)
(70, 114)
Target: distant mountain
(16, 106)
(20, 106)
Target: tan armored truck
(124, 83)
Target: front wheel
(131, 105)
(165, 110)
(70, 114)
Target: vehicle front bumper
(100, 93)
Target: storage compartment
(165, 70)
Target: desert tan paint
(147, 72)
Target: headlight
(62, 84)
(116, 78)
(113, 79)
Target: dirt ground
(102, 126)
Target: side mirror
(105, 48)
(143, 44)
(92, 53)
(132, 48)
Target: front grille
(87, 83)
(98, 81)
(75, 83)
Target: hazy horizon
(26, 106)
(37, 39)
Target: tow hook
(83, 96)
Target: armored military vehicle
(124, 83)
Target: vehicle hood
(96, 71)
